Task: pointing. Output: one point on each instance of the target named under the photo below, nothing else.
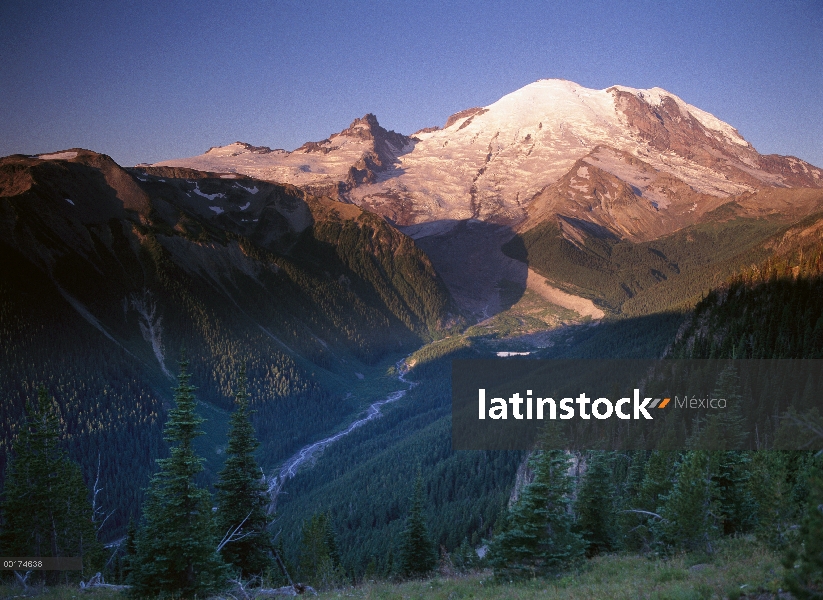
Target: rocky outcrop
(463, 114)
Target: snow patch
(505, 354)
(58, 156)
(246, 205)
(69, 201)
(251, 190)
(216, 209)
(197, 191)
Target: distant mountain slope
(664, 161)
(675, 269)
(106, 274)
(332, 166)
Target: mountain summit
(551, 147)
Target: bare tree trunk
(150, 326)
(22, 580)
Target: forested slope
(107, 275)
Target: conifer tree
(319, 558)
(129, 550)
(464, 557)
(804, 562)
(46, 509)
(417, 555)
(242, 497)
(690, 510)
(331, 541)
(632, 526)
(177, 544)
(724, 434)
(389, 570)
(770, 489)
(538, 538)
(595, 505)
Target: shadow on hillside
(468, 256)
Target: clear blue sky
(145, 81)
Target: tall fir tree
(724, 435)
(242, 497)
(770, 489)
(632, 527)
(538, 537)
(319, 558)
(691, 510)
(417, 555)
(595, 504)
(176, 552)
(46, 510)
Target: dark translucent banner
(505, 404)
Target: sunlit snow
(58, 156)
(197, 191)
(251, 190)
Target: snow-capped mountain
(331, 167)
(639, 162)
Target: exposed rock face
(464, 114)
(668, 126)
(640, 163)
(623, 194)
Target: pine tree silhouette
(177, 545)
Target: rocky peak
(364, 128)
(368, 128)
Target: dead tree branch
(234, 535)
(22, 580)
(644, 512)
(97, 583)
